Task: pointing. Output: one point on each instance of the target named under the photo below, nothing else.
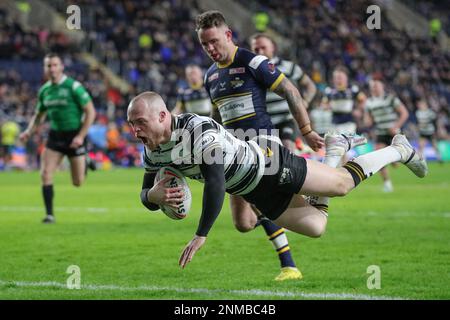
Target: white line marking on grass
(253, 292)
(402, 214)
(66, 209)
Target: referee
(71, 112)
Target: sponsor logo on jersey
(51, 103)
(213, 77)
(207, 140)
(232, 106)
(237, 70)
(223, 86)
(63, 92)
(256, 61)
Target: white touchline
(65, 209)
(253, 292)
(29, 209)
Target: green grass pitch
(126, 252)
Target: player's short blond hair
(264, 35)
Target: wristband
(306, 129)
(146, 203)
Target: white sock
(321, 203)
(373, 162)
(332, 160)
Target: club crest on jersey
(213, 77)
(237, 70)
(271, 67)
(236, 83)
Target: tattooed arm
(310, 92)
(297, 106)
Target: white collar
(63, 78)
(275, 60)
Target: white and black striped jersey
(425, 121)
(195, 100)
(384, 112)
(277, 107)
(193, 138)
(321, 120)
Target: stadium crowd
(149, 44)
(21, 75)
(414, 68)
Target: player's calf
(78, 179)
(303, 218)
(77, 183)
(77, 170)
(312, 226)
(46, 176)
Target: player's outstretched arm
(403, 115)
(147, 184)
(297, 106)
(154, 195)
(213, 196)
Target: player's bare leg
(336, 147)
(50, 161)
(78, 169)
(324, 181)
(309, 217)
(303, 218)
(422, 144)
(435, 146)
(387, 183)
(245, 219)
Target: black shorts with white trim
(274, 191)
(60, 141)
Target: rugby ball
(176, 179)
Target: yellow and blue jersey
(238, 90)
(342, 102)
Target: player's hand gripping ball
(176, 179)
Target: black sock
(356, 171)
(90, 164)
(47, 193)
